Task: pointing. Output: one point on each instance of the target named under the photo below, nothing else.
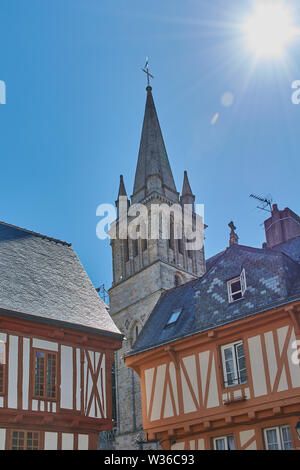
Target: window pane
(230, 371)
(235, 290)
(17, 440)
(243, 376)
(231, 444)
(272, 441)
(25, 440)
(229, 367)
(230, 374)
(228, 353)
(51, 375)
(286, 438)
(220, 444)
(39, 373)
(45, 375)
(174, 317)
(2, 353)
(236, 286)
(237, 295)
(241, 363)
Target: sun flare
(269, 29)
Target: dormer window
(237, 287)
(174, 317)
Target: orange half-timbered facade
(55, 360)
(222, 371)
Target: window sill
(235, 301)
(231, 401)
(232, 388)
(53, 400)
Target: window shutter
(243, 282)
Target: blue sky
(75, 104)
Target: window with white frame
(237, 287)
(234, 364)
(278, 438)
(224, 443)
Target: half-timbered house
(57, 344)
(218, 359)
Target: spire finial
(234, 239)
(146, 71)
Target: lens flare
(269, 29)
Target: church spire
(153, 172)
(187, 195)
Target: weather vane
(146, 71)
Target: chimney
(281, 226)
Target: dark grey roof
(212, 260)
(291, 248)
(273, 278)
(43, 277)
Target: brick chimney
(281, 226)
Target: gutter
(61, 324)
(193, 333)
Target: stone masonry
(144, 270)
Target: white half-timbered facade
(55, 370)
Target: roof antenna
(266, 202)
(103, 293)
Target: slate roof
(273, 278)
(43, 277)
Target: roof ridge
(270, 251)
(266, 250)
(287, 241)
(37, 234)
(243, 247)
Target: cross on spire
(146, 71)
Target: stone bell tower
(144, 268)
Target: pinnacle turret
(187, 196)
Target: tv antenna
(103, 294)
(265, 202)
